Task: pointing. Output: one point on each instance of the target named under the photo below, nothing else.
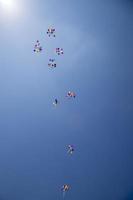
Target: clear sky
(97, 37)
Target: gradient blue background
(97, 37)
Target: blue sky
(97, 64)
